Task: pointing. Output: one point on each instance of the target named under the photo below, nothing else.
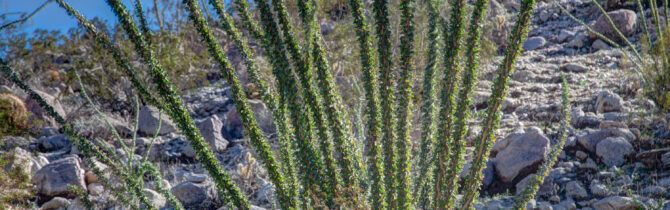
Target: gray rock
(599, 190)
(599, 45)
(195, 195)
(567, 204)
(157, 199)
(578, 41)
(533, 43)
(614, 150)
(574, 67)
(39, 114)
(546, 188)
(607, 101)
(575, 191)
(56, 203)
(665, 159)
(210, 129)
(544, 206)
(565, 35)
(625, 20)
(95, 189)
(52, 143)
(581, 155)
(654, 190)
(54, 178)
(590, 141)
(148, 121)
(615, 203)
(523, 152)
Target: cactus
(373, 123)
(534, 184)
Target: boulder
(614, 150)
(53, 143)
(615, 203)
(233, 122)
(575, 191)
(607, 101)
(565, 35)
(533, 43)
(195, 195)
(148, 121)
(590, 141)
(624, 19)
(39, 115)
(522, 154)
(54, 178)
(210, 129)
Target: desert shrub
(13, 115)
(15, 184)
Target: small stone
(565, 35)
(533, 43)
(157, 199)
(575, 191)
(599, 45)
(615, 203)
(95, 189)
(581, 155)
(599, 190)
(56, 203)
(655, 191)
(665, 159)
(607, 101)
(574, 67)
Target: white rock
(523, 151)
(54, 178)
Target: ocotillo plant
(308, 112)
(447, 152)
(421, 185)
(534, 184)
(369, 70)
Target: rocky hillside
(617, 154)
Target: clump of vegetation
(13, 115)
(15, 184)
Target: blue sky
(55, 18)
